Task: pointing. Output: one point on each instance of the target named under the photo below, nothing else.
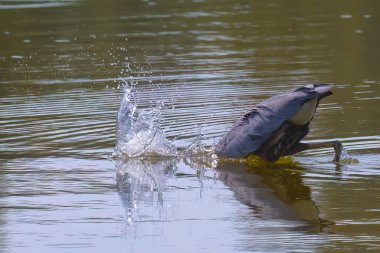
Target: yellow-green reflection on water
(60, 66)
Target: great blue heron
(275, 127)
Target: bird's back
(255, 127)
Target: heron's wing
(249, 132)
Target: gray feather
(250, 132)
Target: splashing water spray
(341, 155)
(138, 132)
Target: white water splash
(138, 132)
(196, 148)
(345, 157)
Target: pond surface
(62, 66)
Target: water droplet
(346, 16)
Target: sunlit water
(197, 66)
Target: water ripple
(32, 4)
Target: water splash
(344, 156)
(139, 132)
(196, 148)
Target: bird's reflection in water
(273, 192)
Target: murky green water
(61, 63)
